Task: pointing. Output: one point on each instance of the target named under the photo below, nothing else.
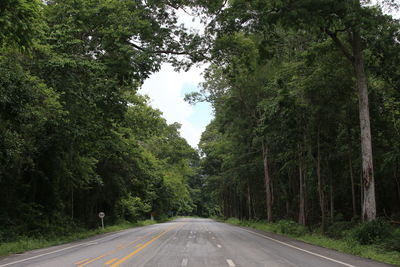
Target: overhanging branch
(339, 44)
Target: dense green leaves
(75, 138)
(21, 23)
(286, 131)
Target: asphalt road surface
(187, 242)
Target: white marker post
(101, 216)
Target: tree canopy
(75, 137)
(305, 96)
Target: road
(187, 243)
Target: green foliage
(21, 23)
(373, 232)
(287, 111)
(339, 229)
(233, 221)
(75, 138)
(393, 241)
(291, 228)
(131, 208)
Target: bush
(161, 218)
(131, 208)
(233, 221)
(291, 228)
(372, 232)
(338, 230)
(393, 243)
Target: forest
(75, 137)
(306, 129)
(305, 96)
(303, 99)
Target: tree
(333, 18)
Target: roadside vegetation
(307, 124)
(23, 244)
(305, 140)
(75, 137)
(377, 240)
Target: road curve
(187, 243)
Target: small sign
(101, 216)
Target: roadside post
(101, 216)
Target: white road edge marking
(230, 263)
(55, 251)
(184, 262)
(41, 255)
(306, 251)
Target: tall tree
(340, 20)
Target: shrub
(372, 232)
(161, 218)
(338, 230)
(130, 208)
(393, 243)
(233, 220)
(291, 228)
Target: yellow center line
(97, 258)
(110, 261)
(79, 262)
(87, 261)
(143, 246)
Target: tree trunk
(332, 199)
(320, 186)
(368, 209)
(302, 215)
(234, 205)
(398, 187)
(267, 180)
(285, 195)
(361, 194)
(254, 208)
(369, 205)
(72, 202)
(353, 194)
(248, 201)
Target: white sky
(167, 89)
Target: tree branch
(339, 44)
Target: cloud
(165, 91)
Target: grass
(27, 243)
(346, 245)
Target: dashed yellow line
(97, 258)
(142, 247)
(87, 261)
(82, 261)
(110, 261)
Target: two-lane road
(187, 242)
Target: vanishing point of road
(187, 243)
